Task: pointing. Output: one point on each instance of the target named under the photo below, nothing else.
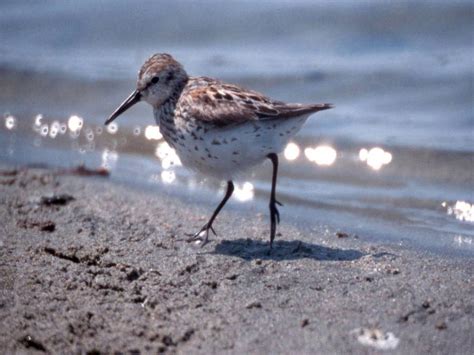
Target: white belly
(226, 152)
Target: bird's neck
(165, 111)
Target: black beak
(124, 106)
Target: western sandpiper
(216, 128)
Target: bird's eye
(155, 79)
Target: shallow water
(393, 161)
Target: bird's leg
(208, 226)
(274, 214)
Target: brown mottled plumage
(221, 104)
(217, 128)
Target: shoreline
(92, 265)
(382, 206)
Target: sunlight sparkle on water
(461, 210)
(54, 129)
(109, 159)
(244, 192)
(323, 155)
(38, 119)
(168, 176)
(167, 155)
(89, 134)
(153, 133)
(75, 123)
(44, 130)
(292, 151)
(10, 122)
(463, 241)
(375, 157)
(112, 128)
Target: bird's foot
(203, 234)
(274, 219)
(274, 213)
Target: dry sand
(89, 266)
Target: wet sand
(89, 266)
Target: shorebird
(216, 128)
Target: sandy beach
(88, 266)
(375, 251)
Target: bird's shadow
(249, 249)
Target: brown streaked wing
(202, 105)
(223, 104)
(295, 110)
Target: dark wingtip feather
(313, 108)
(321, 107)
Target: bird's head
(159, 78)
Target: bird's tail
(294, 110)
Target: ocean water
(392, 162)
